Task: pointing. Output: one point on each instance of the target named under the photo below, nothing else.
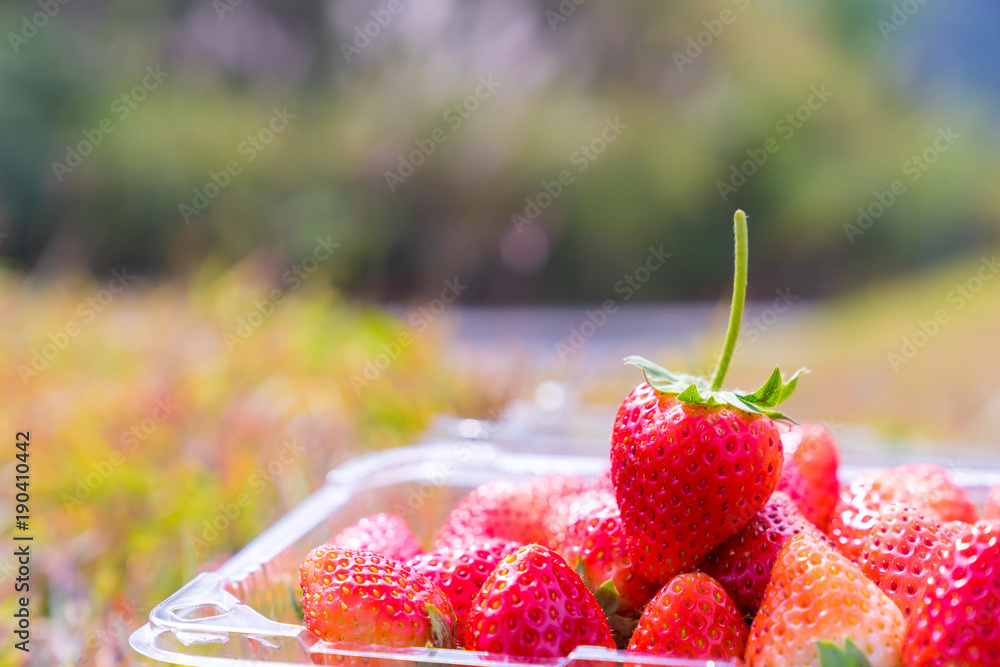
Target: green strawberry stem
(698, 390)
(739, 299)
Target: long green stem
(739, 299)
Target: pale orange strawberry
(817, 595)
(359, 597)
(743, 563)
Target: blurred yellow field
(157, 450)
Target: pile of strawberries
(714, 556)
(721, 531)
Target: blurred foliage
(910, 358)
(146, 428)
(658, 184)
(111, 549)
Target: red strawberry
(925, 487)
(534, 605)
(691, 617)
(810, 473)
(817, 596)
(902, 549)
(385, 534)
(568, 509)
(510, 511)
(364, 598)
(688, 477)
(692, 464)
(992, 509)
(956, 624)
(594, 543)
(461, 571)
(794, 485)
(743, 563)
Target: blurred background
(242, 241)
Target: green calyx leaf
(694, 389)
(608, 597)
(622, 629)
(297, 604)
(831, 655)
(442, 627)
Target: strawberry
(568, 509)
(810, 473)
(992, 509)
(507, 510)
(900, 551)
(691, 617)
(859, 506)
(925, 487)
(385, 534)
(362, 598)
(534, 605)
(594, 543)
(956, 623)
(951, 530)
(794, 485)
(743, 563)
(460, 571)
(692, 464)
(950, 500)
(818, 601)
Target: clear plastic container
(245, 612)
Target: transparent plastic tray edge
(207, 589)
